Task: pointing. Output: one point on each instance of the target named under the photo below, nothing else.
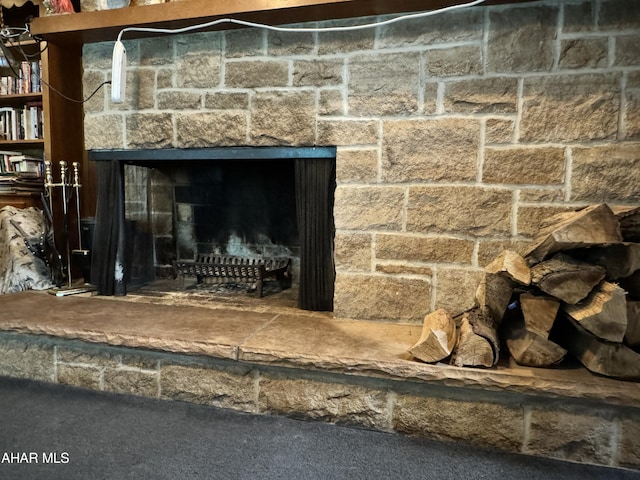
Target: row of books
(27, 81)
(24, 123)
(21, 164)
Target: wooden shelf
(104, 25)
(32, 143)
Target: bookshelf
(22, 144)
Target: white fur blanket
(19, 268)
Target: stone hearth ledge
(305, 340)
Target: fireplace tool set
(61, 271)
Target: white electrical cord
(298, 29)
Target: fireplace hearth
(161, 208)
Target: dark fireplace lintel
(212, 153)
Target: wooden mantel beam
(104, 25)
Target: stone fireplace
(456, 135)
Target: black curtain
(315, 187)
(107, 263)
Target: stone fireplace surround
(455, 137)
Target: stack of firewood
(576, 291)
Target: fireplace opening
(238, 218)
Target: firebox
(256, 206)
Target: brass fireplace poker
(68, 187)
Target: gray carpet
(102, 436)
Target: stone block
(98, 55)
(627, 52)
(628, 446)
(199, 43)
(423, 249)
(317, 73)
(328, 402)
(256, 73)
(583, 53)
(631, 122)
(579, 17)
(499, 131)
(290, 43)
(199, 70)
(450, 61)
(283, 118)
(91, 79)
(483, 423)
(382, 297)
(485, 95)
(331, 43)
(244, 42)
(233, 388)
(77, 376)
(88, 357)
(522, 40)
(177, 100)
(444, 149)
(606, 173)
(561, 108)
(576, 436)
(213, 128)
(452, 27)
(352, 251)
(460, 210)
(456, 288)
(619, 15)
(331, 102)
(226, 101)
(22, 359)
(149, 130)
(357, 166)
(164, 78)
(103, 131)
(366, 208)
(523, 165)
(154, 51)
(131, 382)
(383, 83)
(348, 132)
(430, 99)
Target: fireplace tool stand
(68, 188)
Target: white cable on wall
(298, 29)
(119, 58)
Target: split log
(439, 336)
(472, 350)
(620, 259)
(530, 349)
(511, 265)
(592, 225)
(603, 313)
(629, 220)
(604, 358)
(493, 296)
(632, 335)
(539, 313)
(565, 278)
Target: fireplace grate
(215, 269)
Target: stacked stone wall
(456, 134)
(568, 428)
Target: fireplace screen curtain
(315, 187)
